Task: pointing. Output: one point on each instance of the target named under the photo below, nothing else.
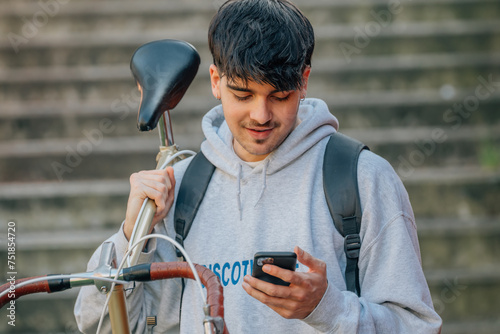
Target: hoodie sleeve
(143, 299)
(394, 297)
(90, 301)
(156, 298)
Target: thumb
(314, 264)
(170, 172)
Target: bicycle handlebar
(141, 272)
(215, 294)
(43, 286)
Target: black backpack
(340, 183)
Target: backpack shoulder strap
(193, 186)
(340, 183)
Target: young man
(267, 142)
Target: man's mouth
(259, 133)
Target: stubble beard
(248, 147)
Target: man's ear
(215, 81)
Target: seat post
(165, 130)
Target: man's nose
(261, 112)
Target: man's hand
(299, 299)
(158, 185)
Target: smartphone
(286, 260)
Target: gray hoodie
(274, 205)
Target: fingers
(281, 305)
(269, 289)
(285, 274)
(314, 264)
(153, 184)
(291, 302)
(302, 296)
(157, 185)
(299, 283)
(295, 291)
(170, 195)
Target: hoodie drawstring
(238, 192)
(264, 181)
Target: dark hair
(266, 41)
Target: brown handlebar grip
(215, 296)
(42, 286)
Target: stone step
(327, 31)
(50, 206)
(432, 110)
(455, 243)
(464, 294)
(384, 13)
(107, 5)
(97, 156)
(402, 72)
(110, 51)
(365, 74)
(84, 49)
(460, 192)
(465, 300)
(342, 10)
(81, 160)
(435, 146)
(54, 252)
(331, 65)
(113, 118)
(106, 17)
(491, 326)
(43, 313)
(53, 17)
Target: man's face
(259, 117)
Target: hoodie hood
(315, 123)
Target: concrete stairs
(419, 83)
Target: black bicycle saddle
(163, 71)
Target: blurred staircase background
(418, 81)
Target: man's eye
(282, 99)
(242, 98)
